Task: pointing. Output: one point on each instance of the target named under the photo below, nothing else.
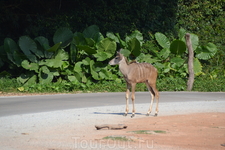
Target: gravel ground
(15, 130)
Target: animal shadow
(120, 114)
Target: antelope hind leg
(133, 99)
(150, 108)
(152, 96)
(157, 103)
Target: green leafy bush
(172, 59)
(80, 60)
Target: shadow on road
(120, 114)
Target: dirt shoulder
(199, 131)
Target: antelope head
(117, 59)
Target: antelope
(137, 73)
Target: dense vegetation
(64, 52)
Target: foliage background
(39, 17)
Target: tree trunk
(190, 62)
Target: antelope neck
(123, 66)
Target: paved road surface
(15, 105)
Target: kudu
(137, 73)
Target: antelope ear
(118, 52)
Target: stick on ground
(111, 126)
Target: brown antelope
(137, 73)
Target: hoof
(125, 114)
(132, 115)
(147, 114)
(155, 115)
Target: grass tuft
(148, 131)
(117, 138)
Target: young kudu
(137, 73)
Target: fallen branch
(111, 126)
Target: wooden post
(190, 62)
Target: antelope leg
(127, 102)
(133, 99)
(152, 98)
(157, 104)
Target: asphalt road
(16, 105)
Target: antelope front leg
(127, 102)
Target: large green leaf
(162, 40)
(167, 67)
(197, 67)
(10, 46)
(93, 32)
(63, 35)
(106, 49)
(103, 74)
(125, 52)
(75, 79)
(58, 61)
(177, 62)
(45, 76)
(101, 56)
(89, 50)
(93, 72)
(90, 42)
(112, 36)
(27, 79)
(107, 45)
(73, 52)
(30, 66)
(134, 46)
(86, 61)
(31, 81)
(55, 47)
(177, 47)
(79, 39)
(43, 42)
(29, 47)
(23, 78)
(136, 34)
(164, 53)
(43, 46)
(62, 55)
(181, 33)
(77, 67)
(122, 43)
(206, 52)
(194, 41)
(146, 58)
(45, 69)
(12, 51)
